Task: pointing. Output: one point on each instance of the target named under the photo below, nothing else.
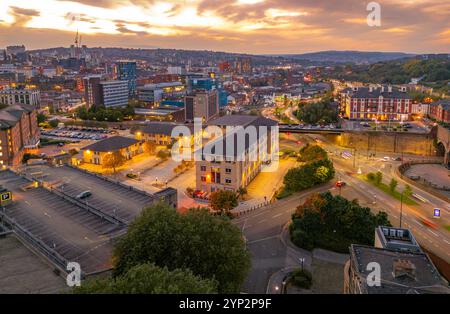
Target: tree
(148, 278)
(223, 200)
(333, 222)
(113, 160)
(210, 246)
(393, 185)
(407, 191)
(41, 118)
(162, 154)
(53, 123)
(241, 191)
(149, 147)
(312, 152)
(378, 177)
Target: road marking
(433, 233)
(446, 241)
(263, 239)
(261, 221)
(277, 215)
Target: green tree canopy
(149, 279)
(333, 222)
(210, 246)
(223, 200)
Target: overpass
(297, 128)
(443, 143)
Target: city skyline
(294, 26)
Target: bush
(131, 175)
(282, 193)
(301, 278)
(370, 176)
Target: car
(398, 159)
(60, 144)
(340, 184)
(386, 158)
(84, 195)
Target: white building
(28, 96)
(114, 93)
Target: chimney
(370, 89)
(382, 89)
(403, 268)
(390, 89)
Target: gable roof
(242, 120)
(111, 144)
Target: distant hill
(358, 57)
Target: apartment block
(19, 132)
(20, 95)
(201, 104)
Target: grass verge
(395, 194)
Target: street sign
(5, 197)
(437, 213)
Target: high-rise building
(19, 132)
(243, 65)
(201, 104)
(114, 93)
(107, 93)
(126, 71)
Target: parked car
(84, 195)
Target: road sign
(5, 197)
(437, 213)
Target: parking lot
(77, 133)
(73, 232)
(114, 199)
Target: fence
(28, 237)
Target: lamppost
(401, 208)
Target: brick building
(19, 132)
(440, 110)
(381, 103)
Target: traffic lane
(425, 236)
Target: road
(263, 227)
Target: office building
(155, 93)
(105, 93)
(126, 71)
(380, 103)
(20, 95)
(403, 267)
(243, 65)
(19, 132)
(95, 153)
(235, 165)
(201, 104)
(114, 93)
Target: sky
(244, 26)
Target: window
(203, 168)
(203, 178)
(228, 170)
(228, 181)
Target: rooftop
(376, 92)
(111, 144)
(164, 128)
(10, 115)
(242, 120)
(401, 272)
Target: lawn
(395, 194)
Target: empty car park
(48, 220)
(118, 200)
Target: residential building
(160, 133)
(421, 109)
(440, 110)
(92, 93)
(20, 95)
(201, 104)
(95, 153)
(403, 267)
(126, 71)
(381, 103)
(243, 65)
(19, 132)
(235, 165)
